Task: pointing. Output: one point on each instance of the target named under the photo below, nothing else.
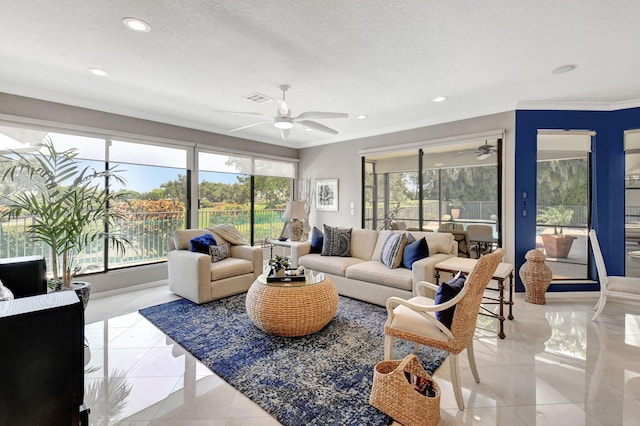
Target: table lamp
(295, 213)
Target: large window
(424, 188)
(562, 196)
(249, 192)
(155, 202)
(156, 205)
(632, 203)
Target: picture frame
(326, 194)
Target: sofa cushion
(219, 253)
(392, 250)
(414, 251)
(376, 272)
(329, 264)
(201, 243)
(317, 239)
(230, 267)
(382, 237)
(336, 241)
(362, 243)
(446, 292)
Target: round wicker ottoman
(293, 308)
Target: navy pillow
(201, 244)
(414, 251)
(316, 240)
(446, 292)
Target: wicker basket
(392, 394)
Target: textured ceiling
(385, 59)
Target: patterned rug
(324, 378)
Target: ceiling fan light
(283, 123)
(483, 155)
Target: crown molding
(578, 106)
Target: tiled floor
(556, 367)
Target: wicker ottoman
(294, 308)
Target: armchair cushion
(219, 253)
(201, 243)
(230, 267)
(446, 292)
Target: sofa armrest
(298, 250)
(425, 269)
(250, 253)
(189, 274)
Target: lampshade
(294, 210)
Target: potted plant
(557, 245)
(279, 265)
(455, 206)
(69, 206)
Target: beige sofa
(194, 277)
(363, 276)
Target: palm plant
(556, 217)
(70, 205)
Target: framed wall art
(326, 194)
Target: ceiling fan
(284, 121)
(485, 151)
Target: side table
(504, 271)
(291, 245)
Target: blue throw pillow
(414, 251)
(201, 244)
(316, 240)
(446, 292)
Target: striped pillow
(392, 250)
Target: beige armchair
(194, 277)
(414, 319)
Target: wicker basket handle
(412, 364)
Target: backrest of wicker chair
(466, 313)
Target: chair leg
(472, 362)
(416, 347)
(455, 380)
(600, 307)
(388, 347)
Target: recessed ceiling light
(439, 99)
(308, 129)
(98, 72)
(362, 117)
(136, 24)
(438, 164)
(564, 69)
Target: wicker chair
(414, 319)
(619, 287)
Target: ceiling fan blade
(242, 113)
(284, 134)
(321, 115)
(249, 125)
(317, 126)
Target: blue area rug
(324, 378)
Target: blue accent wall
(607, 175)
